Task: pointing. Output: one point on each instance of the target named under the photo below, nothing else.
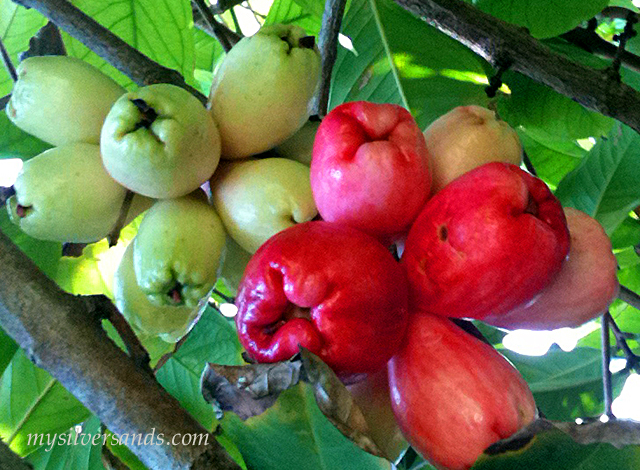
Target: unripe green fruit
(261, 92)
(160, 141)
(168, 322)
(61, 99)
(178, 249)
(64, 194)
(299, 146)
(258, 198)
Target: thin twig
(606, 363)
(226, 298)
(114, 235)
(328, 46)
(221, 34)
(629, 297)
(223, 5)
(627, 34)
(4, 101)
(633, 360)
(528, 164)
(128, 60)
(8, 63)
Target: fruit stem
(606, 361)
(149, 114)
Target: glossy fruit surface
(334, 290)
(454, 395)
(261, 92)
(583, 289)
(468, 137)
(160, 141)
(61, 99)
(258, 198)
(370, 168)
(489, 241)
(178, 250)
(64, 194)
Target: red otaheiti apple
(487, 242)
(582, 290)
(332, 289)
(453, 395)
(370, 168)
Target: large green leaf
(605, 184)
(8, 348)
(162, 30)
(552, 158)
(566, 385)
(543, 19)
(400, 59)
(15, 143)
(66, 456)
(555, 450)
(17, 26)
(538, 108)
(45, 254)
(295, 434)
(33, 402)
(213, 339)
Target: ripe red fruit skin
(582, 290)
(487, 242)
(370, 168)
(332, 289)
(454, 395)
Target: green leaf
(45, 254)
(34, 402)
(66, 456)
(566, 385)
(605, 184)
(555, 450)
(552, 158)
(293, 12)
(539, 109)
(15, 143)
(213, 339)
(8, 348)
(543, 19)
(162, 30)
(208, 51)
(295, 434)
(17, 26)
(400, 59)
(627, 234)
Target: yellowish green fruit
(261, 92)
(64, 194)
(259, 198)
(167, 322)
(466, 138)
(178, 250)
(299, 146)
(61, 99)
(160, 141)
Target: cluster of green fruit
(120, 153)
(477, 236)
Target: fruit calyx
(175, 294)
(307, 42)
(147, 113)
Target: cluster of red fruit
(479, 238)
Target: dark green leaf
(605, 184)
(8, 348)
(34, 402)
(400, 59)
(543, 19)
(627, 234)
(45, 254)
(66, 456)
(15, 143)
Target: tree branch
(328, 46)
(71, 345)
(10, 461)
(128, 60)
(497, 41)
(224, 35)
(629, 297)
(606, 365)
